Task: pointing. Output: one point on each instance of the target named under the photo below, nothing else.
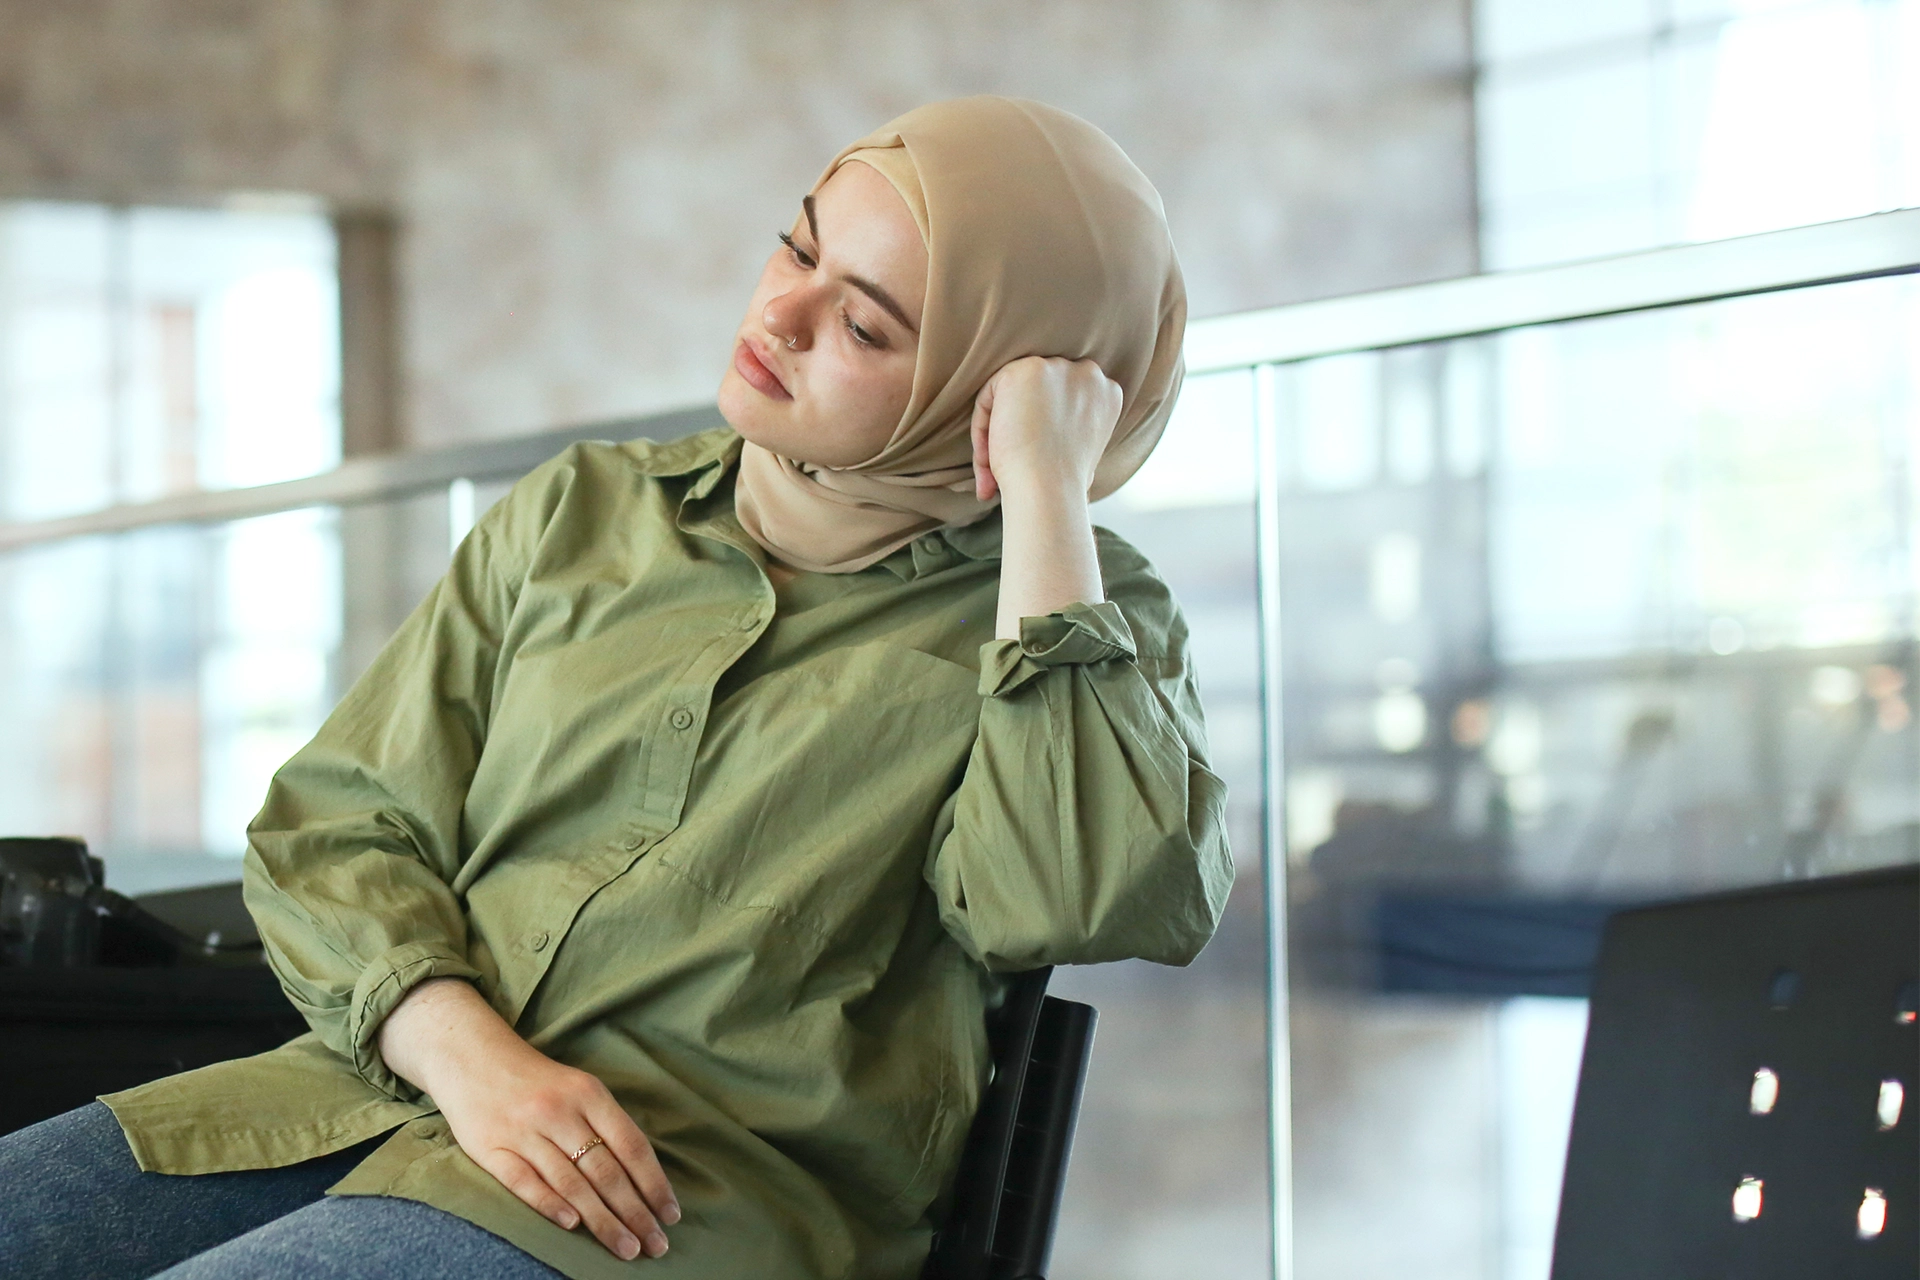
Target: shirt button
(634, 842)
(680, 718)
(930, 544)
(538, 941)
(749, 622)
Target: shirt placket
(682, 720)
(677, 729)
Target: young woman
(651, 885)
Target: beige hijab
(1043, 239)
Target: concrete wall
(585, 188)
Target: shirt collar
(979, 540)
(710, 452)
(713, 453)
(943, 547)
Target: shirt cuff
(1077, 634)
(382, 986)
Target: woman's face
(823, 363)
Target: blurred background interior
(1567, 612)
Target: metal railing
(357, 480)
(1879, 244)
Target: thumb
(984, 485)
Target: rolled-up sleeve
(350, 862)
(1087, 826)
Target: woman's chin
(749, 425)
(751, 421)
(754, 429)
(758, 420)
(746, 411)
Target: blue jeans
(75, 1206)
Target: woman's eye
(800, 256)
(860, 335)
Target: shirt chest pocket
(817, 786)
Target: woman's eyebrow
(861, 283)
(881, 296)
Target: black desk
(67, 1035)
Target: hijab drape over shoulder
(1043, 239)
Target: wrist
(440, 1023)
(1042, 489)
(1048, 559)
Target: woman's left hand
(1041, 423)
(1039, 428)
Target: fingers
(519, 1177)
(599, 1189)
(1042, 419)
(637, 1159)
(565, 1177)
(615, 1187)
(984, 485)
(522, 1121)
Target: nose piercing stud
(793, 342)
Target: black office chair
(1746, 1095)
(1007, 1194)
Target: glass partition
(1571, 616)
(152, 681)
(1169, 1174)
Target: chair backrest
(1747, 1090)
(1007, 1191)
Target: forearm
(441, 1028)
(1047, 559)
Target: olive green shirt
(750, 856)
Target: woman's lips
(758, 375)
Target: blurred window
(150, 682)
(149, 351)
(1614, 125)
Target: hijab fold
(1043, 239)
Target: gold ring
(575, 1157)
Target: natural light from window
(1613, 125)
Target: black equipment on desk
(1746, 1104)
(56, 912)
(100, 992)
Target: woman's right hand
(519, 1115)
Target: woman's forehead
(863, 227)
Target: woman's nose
(787, 318)
(786, 321)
